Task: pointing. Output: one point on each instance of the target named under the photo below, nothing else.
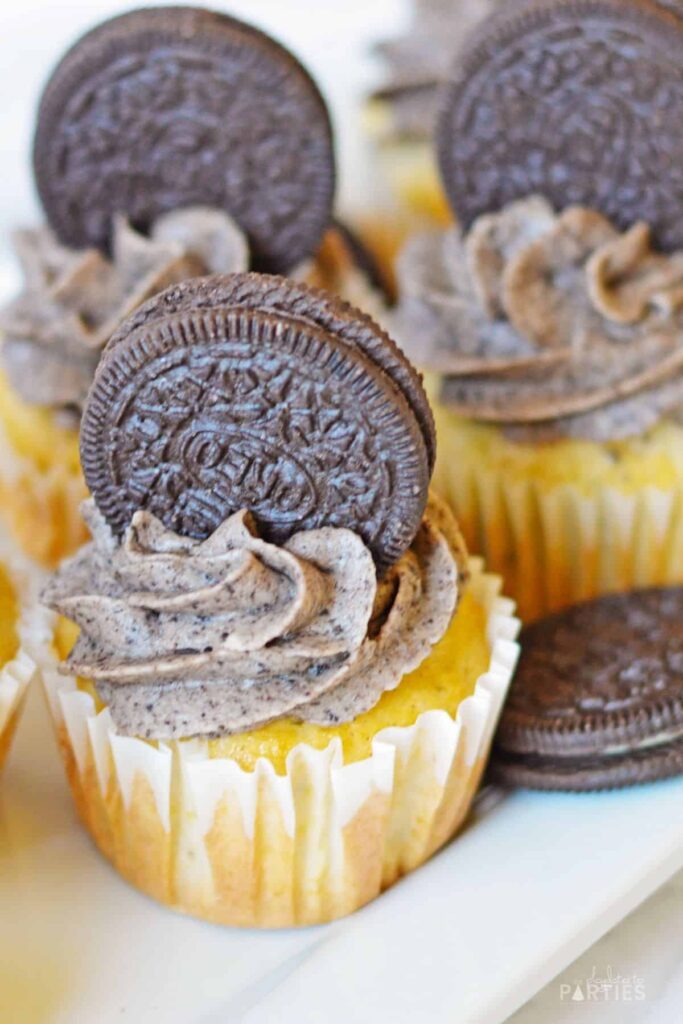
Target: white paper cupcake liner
(239, 847)
(555, 546)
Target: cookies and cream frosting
(73, 300)
(551, 325)
(185, 637)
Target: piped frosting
(73, 300)
(550, 324)
(186, 638)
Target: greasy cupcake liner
(34, 630)
(254, 848)
(555, 546)
(40, 507)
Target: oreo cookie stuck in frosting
(170, 107)
(579, 101)
(250, 392)
(264, 546)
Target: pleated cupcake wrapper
(255, 848)
(555, 546)
(34, 629)
(40, 508)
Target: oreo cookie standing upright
(576, 100)
(254, 392)
(171, 107)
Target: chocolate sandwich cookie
(597, 701)
(580, 101)
(285, 297)
(173, 107)
(252, 392)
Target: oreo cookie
(597, 701)
(251, 391)
(580, 101)
(173, 107)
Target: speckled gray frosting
(187, 638)
(72, 301)
(418, 61)
(552, 325)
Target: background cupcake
(24, 628)
(132, 209)
(288, 673)
(551, 320)
(401, 113)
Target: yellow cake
(41, 485)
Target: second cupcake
(551, 318)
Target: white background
(332, 37)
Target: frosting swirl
(185, 638)
(73, 300)
(553, 325)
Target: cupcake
(550, 321)
(169, 143)
(401, 112)
(24, 627)
(280, 670)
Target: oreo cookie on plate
(597, 701)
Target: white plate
(467, 938)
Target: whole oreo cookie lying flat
(597, 701)
(251, 391)
(580, 101)
(173, 107)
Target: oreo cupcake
(551, 319)
(401, 113)
(281, 672)
(170, 143)
(24, 628)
